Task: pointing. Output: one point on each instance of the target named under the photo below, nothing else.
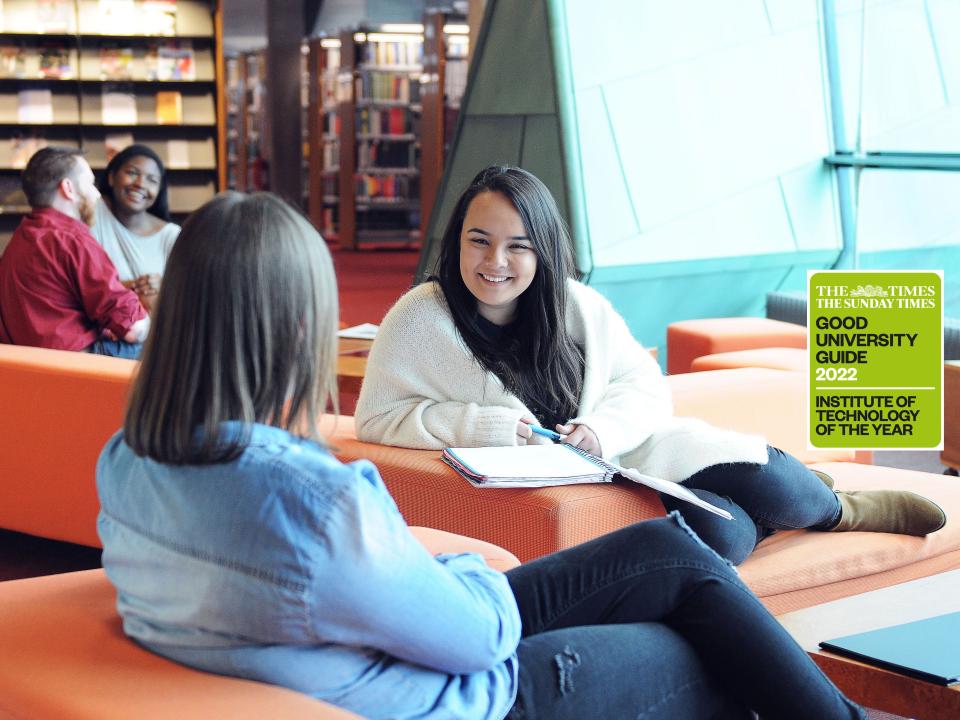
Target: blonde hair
(244, 330)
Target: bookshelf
(446, 45)
(101, 74)
(255, 126)
(378, 92)
(235, 156)
(323, 136)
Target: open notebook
(557, 464)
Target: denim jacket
(288, 567)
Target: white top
(424, 389)
(133, 254)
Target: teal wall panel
(650, 304)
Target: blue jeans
(648, 622)
(116, 348)
(781, 495)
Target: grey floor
(925, 460)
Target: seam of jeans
(677, 517)
(669, 696)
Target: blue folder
(926, 649)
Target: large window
(894, 79)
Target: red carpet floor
(370, 282)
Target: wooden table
(869, 685)
(951, 415)
(351, 363)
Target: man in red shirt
(58, 288)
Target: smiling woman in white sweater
(132, 222)
(504, 338)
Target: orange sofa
(690, 339)
(67, 405)
(778, 358)
(65, 656)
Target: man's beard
(88, 211)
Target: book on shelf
(118, 107)
(173, 60)
(115, 142)
(54, 16)
(178, 154)
(118, 17)
(55, 62)
(35, 107)
(11, 192)
(116, 63)
(390, 86)
(13, 61)
(383, 121)
(158, 17)
(22, 149)
(554, 464)
(387, 186)
(169, 107)
(399, 52)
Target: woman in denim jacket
(239, 545)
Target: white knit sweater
(424, 389)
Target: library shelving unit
(246, 126)
(255, 124)
(101, 74)
(445, 56)
(236, 158)
(379, 109)
(323, 135)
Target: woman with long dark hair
(505, 338)
(239, 545)
(133, 222)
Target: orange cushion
(777, 358)
(689, 339)
(65, 656)
(440, 541)
(752, 400)
(796, 569)
(59, 409)
(528, 522)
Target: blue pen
(556, 437)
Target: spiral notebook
(557, 464)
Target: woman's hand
(582, 437)
(147, 287)
(524, 433)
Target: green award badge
(875, 344)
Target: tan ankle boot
(888, 511)
(824, 478)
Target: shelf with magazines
(67, 78)
(379, 148)
(323, 135)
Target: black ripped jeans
(647, 622)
